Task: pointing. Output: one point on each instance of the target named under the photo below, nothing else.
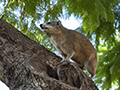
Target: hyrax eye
(48, 22)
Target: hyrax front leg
(61, 53)
(68, 57)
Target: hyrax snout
(72, 45)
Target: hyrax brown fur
(72, 45)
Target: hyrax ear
(58, 22)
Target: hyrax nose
(41, 25)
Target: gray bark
(27, 65)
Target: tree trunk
(27, 65)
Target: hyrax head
(51, 27)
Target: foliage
(24, 14)
(100, 24)
(91, 13)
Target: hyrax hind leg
(90, 66)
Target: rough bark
(27, 65)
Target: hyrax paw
(64, 61)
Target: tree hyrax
(72, 44)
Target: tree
(25, 64)
(100, 24)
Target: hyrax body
(72, 45)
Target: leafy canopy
(101, 20)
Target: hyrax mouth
(43, 27)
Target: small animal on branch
(72, 45)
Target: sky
(71, 23)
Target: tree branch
(25, 64)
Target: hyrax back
(72, 44)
